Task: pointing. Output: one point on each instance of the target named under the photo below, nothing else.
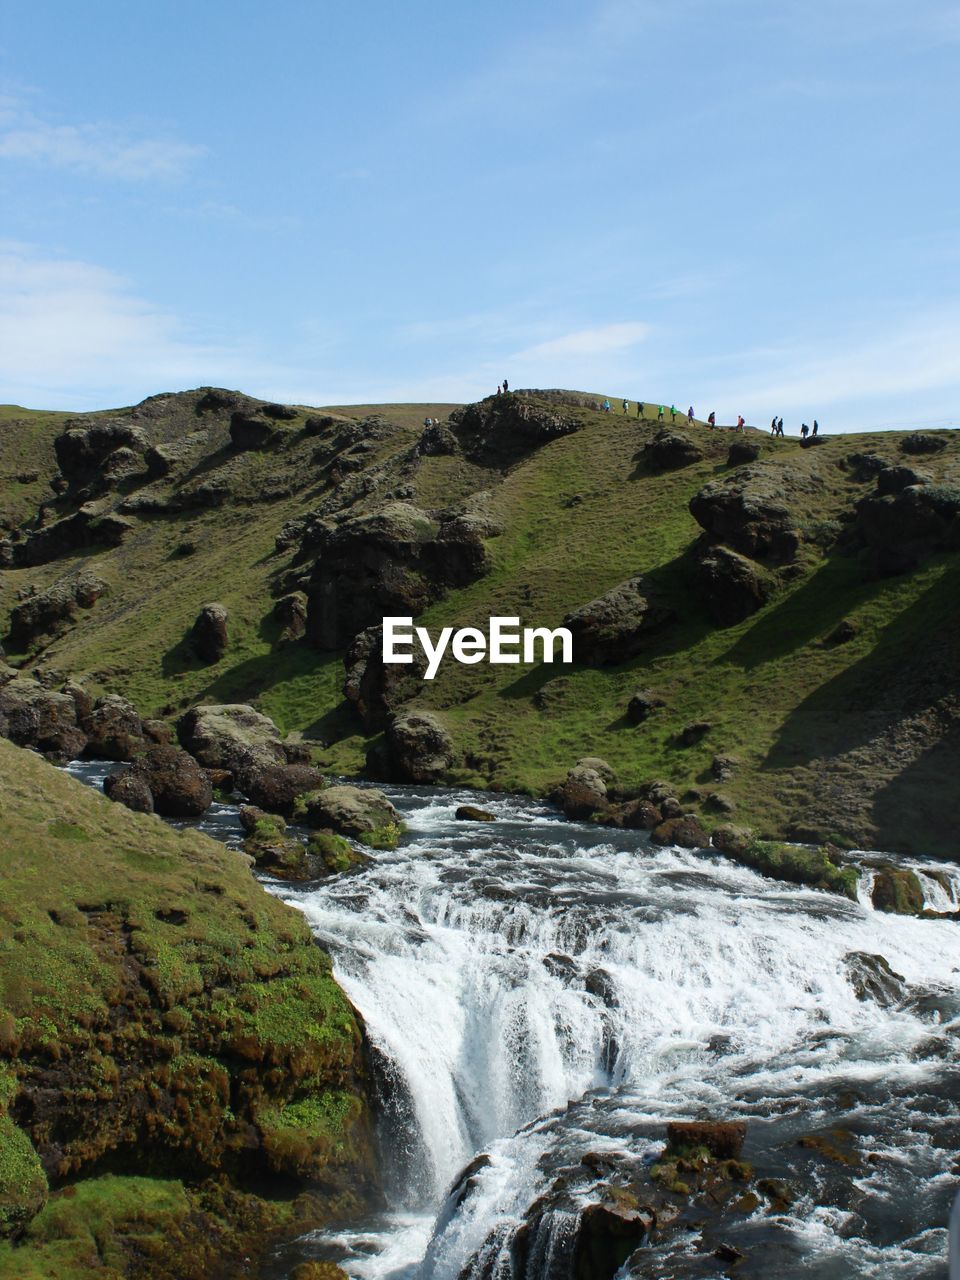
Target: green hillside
(852, 734)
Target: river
(538, 990)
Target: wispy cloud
(101, 149)
(602, 340)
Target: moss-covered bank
(160, 1016)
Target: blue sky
(746, 205)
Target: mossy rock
(898, 891)
(796, 865)
(335, 852)
(23, 1183)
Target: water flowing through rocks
(542, 997)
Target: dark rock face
(757, 509)
(437, 440)
(393, 561)
(252, 431)
(685, 832)
(733, 586)
(634, 815)
(896, 479)
(277, 787)
(279, 412)
(845, 631)
(177, 786)
(670, 449)
(918, 443)
(291, 612)
(32, 716)
(607, 1234)
(865, 466)
(503, 428)
(209, 633)
(49, 613)
(741, 452)
(378, 689)
(421, 749)
(584, 792)
(872, 979)
(114, 730)
(613, 628)
(643, 704)
(694, 732)
(723, 1139)
(899, 529)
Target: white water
(537, 990)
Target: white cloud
(585, 343)
(100, 149)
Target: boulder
(470, 813)
(48, 614)
(670, 449)
(897, 890)
(363, 813)
(232, 736)
(84, 447)
(279, 412)
(208, 636)
(920, 443)
(378, 689)
(634, 815)
(694, 732)
(873, 979)
(600, 766)
(114, 729)
(724, 767)
(157, 732)
(845, 631)
(896, 479)
(758, 510)
(500, 430)
(613, 627)
(32, 716)
(272, 849)
(437, 440)
(731, 840)
(421, 749)
(899, 529)
(741, 452)
(179, 787)
(582, 794)
(605, 1236)
(643, 704)
(684, 831)
(277, 787)
(865, 466)
(724, 1139)
(732, 585)
(129, 787)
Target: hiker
(816, 427)
(660, 414)
(773, 426)
(505, 387)
(499, 388)
(606, 406)
(780, 427)
(639, 408)
(673, 413)
(690, 415)
(712, 420)
(804, 430)
(625, 406)
(741, 422)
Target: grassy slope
(117, 1004)
(775, 697)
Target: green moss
(67, 831)
(800, 866)
(23, 1184)
(335, 852)
(897, 890)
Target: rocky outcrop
(277, 787)
(499, 430)
(234, 736)
(896, 479)
(86, 446)
(723, 1139)
(643, 704)
(208, 636)
(670, 449)
(920, 443)
(582, 793)
(129, 787)
(741, 452)
(363, 813)
(44, 615)
(377, 689)
(897, 890)
(291, 613)
(758, 510)
(437, 440)
(899, 527)
(252, 431)
(177, 786)
(33, 716)
(470, 813)
(614, 627)
(685, 831)
(733, 586)
(420, 747)
(392, 561)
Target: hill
(790, 619)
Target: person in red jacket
(740, 422)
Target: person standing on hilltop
(625, 403)
(816, 427)
(606, 406)
(505, 387)
(660, 412)
(712, 420)
(741, 422)
(673, 413)
(690, 415)
(804, 431)
(639, 408)
(773, 425)
(779, 426)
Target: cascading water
(537, 990)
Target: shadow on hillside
(914, 664)
(928, 787)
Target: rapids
(536, 990)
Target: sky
(746, 206)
